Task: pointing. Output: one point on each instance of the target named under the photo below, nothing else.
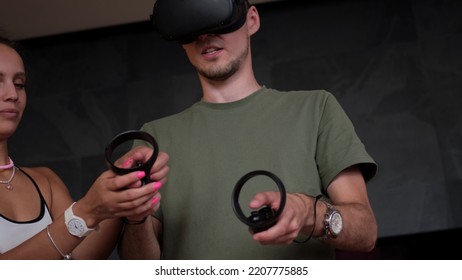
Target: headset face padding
(185, 20)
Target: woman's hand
(115, 196)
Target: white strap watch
(76, 225)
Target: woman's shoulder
(38, 172)
(45, 178)
(49, 183)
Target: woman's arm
(108, 198)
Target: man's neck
(230, 90)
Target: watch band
(75, 224)
(333, 223)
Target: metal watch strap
(327, 234)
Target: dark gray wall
(395, 66)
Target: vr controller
(129, 136)
(266, 217)
(185, 20)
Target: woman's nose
(8, 91)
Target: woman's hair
(7, 42)
(20, 50)
(15, 46)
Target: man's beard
(222, 73)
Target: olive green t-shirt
(303, 137)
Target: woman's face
(12, 90)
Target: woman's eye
(19, 85)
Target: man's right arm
(142, 241)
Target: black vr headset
(185, 20)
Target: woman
(38, 218)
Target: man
(303, 137)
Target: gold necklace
(8, 184)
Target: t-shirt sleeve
(339, 146)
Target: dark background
(395, 67)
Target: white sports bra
(13, 233)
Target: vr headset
(185, 20)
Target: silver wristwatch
(333, 222)
(76, 225)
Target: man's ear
(253, 20)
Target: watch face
(75, 227)
(336, 223)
